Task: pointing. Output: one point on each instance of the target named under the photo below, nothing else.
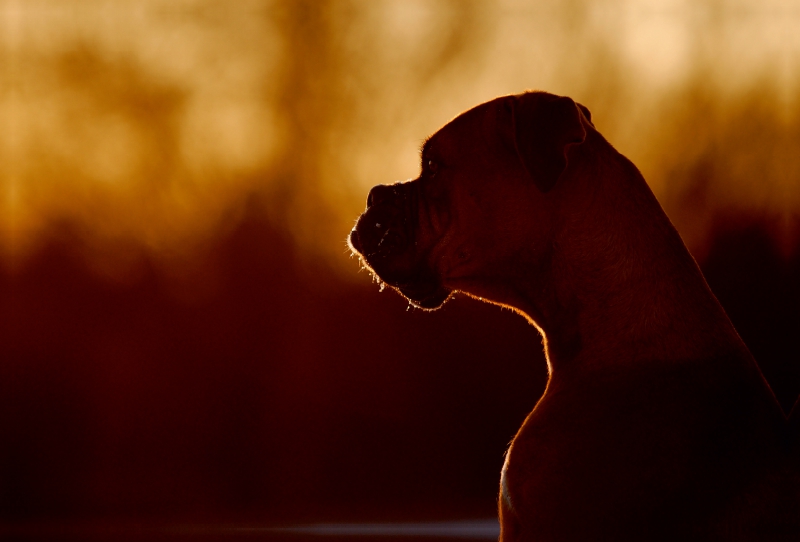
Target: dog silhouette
(656, 423)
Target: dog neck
(618, 285)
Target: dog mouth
(386, 241)
(422, 289)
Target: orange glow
(154, 122)
(183, 334)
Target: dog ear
(544, 127)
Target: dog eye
(432, 167)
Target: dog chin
(430, 300)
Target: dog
(656, 422)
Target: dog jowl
(387, 239)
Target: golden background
(153, 122)
(184, 336)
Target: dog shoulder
(657, 441)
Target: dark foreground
(488, 529)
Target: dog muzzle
(386, 239)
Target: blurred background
(183, 334)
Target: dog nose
(379, 194)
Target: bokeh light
(154, 121)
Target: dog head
(481, 199)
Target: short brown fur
(656, 423)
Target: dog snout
(381, 194)
(382, 231)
